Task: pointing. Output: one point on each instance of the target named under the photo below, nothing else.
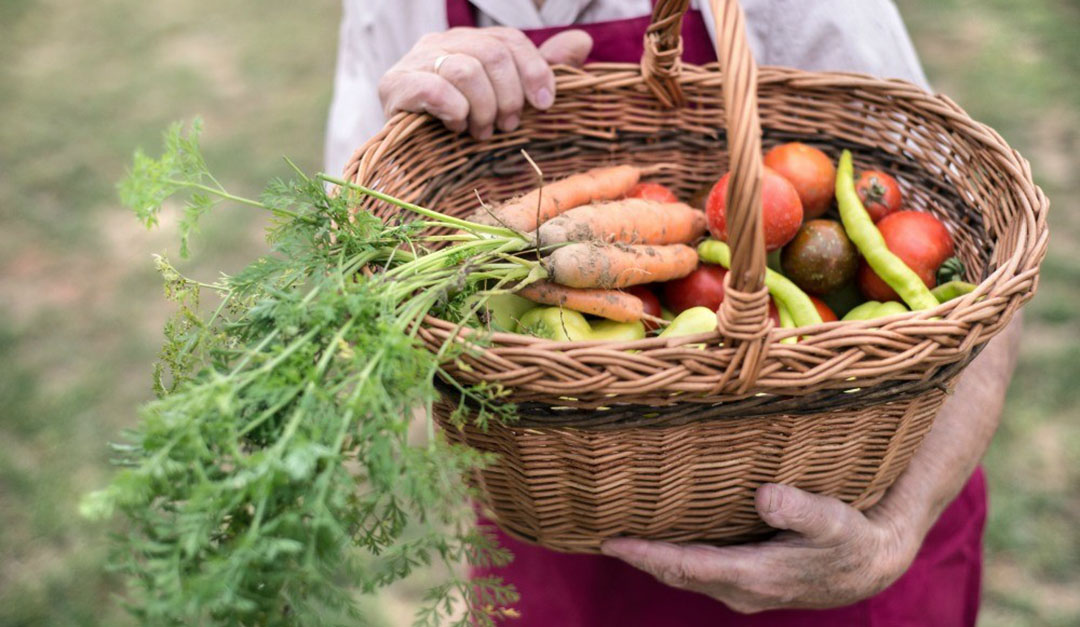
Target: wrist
(905, 521)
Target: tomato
(652, 191)
(810, 171)
(919, 239)
(820, 258)
(827, 314)
(781, 209)
(879, 193)
(704, 287)
(650, 301)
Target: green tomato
(506, 310)
(691, 322)
(618, 331)
(555, 323)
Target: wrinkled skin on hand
(829, 555)
(484, 78)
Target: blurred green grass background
(83, 84)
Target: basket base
(569, 489)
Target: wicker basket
(671, 440)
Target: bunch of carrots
(596, 239)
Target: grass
(85, 83)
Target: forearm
(960, 436)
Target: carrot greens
(273, 478)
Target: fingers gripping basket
(665, 439)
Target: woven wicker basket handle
(743, 316)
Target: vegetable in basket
(781, 209)
(606, 303)
(566, 325)
(868, 239)
(652, 191)
(875, 309)
(803, 311)
(810, 171)
(919, 240)
(691, 321)
(820, 258)
(587, 264)
(630, 221)
(879, 193)
(704, 287)
(538, 206)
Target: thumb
(569, 47)
(822, 518)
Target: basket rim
(1019, 265)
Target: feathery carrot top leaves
(272, 480)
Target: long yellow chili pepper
(786, 322)
(867, 238)
(785, 292)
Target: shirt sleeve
(374, 34)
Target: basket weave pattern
(664, 438)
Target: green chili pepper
(786, 293)
(691, 322)
(556, 323)
(867, 238)
(786, 322)
(874, 309)
(953, 289)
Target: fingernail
(484, 133)
(510, 123)
(770, 501)
(544, 98)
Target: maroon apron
(941, 588)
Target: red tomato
(879, 193)
(650, 301)
(827, 314)
(781, 210)
(919, 239)
(810, 171)
(652, 191)
(703, 287)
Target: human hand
(477, 78)
(829, 555)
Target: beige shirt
(847, 35)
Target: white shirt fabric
(842, 35)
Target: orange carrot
(631, 221)
(606, 183)
(609, 266)
(610, 304)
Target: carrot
(631, 221)
(521, 214)
(608, 266)
(610, 304)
